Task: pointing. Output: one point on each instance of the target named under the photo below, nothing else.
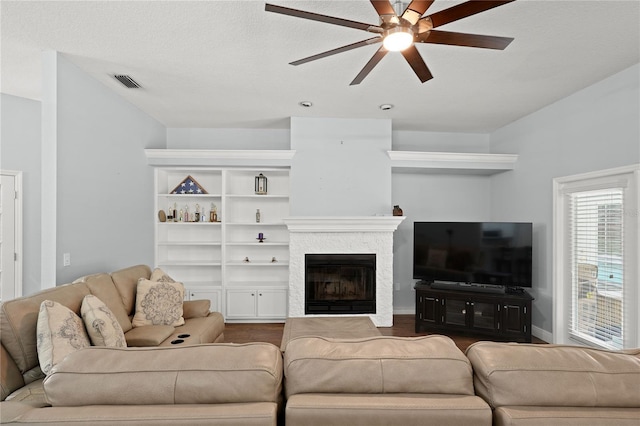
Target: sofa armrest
(508, 374)
(199, 374)
(196, 308)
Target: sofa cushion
(126, 281)
(60, 332)
(199, 374)
(339, 409)
(102, 286)
(385, 364)
(158, 303)
(523, 374)
(566, 416)
(196, 308)
(102, 326)
(19, 318)
(148, 335)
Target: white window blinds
(596, 254)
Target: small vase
(397, 211)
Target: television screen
(496, 253)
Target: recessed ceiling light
(386, 107)
(306, 104)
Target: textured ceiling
(225, 63)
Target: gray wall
(20, 151)
(433, 197)
(198, 138)
(104, 187)
(341, 167)
(594, 129)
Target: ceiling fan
(400, 30)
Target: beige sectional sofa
(192, 382)
(375, 380)
(528, 384)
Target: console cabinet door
(484, 315)
(428, 309)
(514, 319)
(456, 312)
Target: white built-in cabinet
(224, 261)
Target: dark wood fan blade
(322, 18)
(462, 39)
(362, 43)
(415, 10)
(377, 57)
(383, 7)
(463, 10)
(412, 56)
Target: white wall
(104, 187)
(20, 150)
(341, 167)
(596, 128)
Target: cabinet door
(514, 319)
(484, 315)
(272, 304)
(455, 312)
(428, 309)
(241, 303)
(212, 295)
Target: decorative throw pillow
(159, 275)
(158, 303)
(59, 332)
(102, 326)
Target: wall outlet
(66, 259)
(396, 286)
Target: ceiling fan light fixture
(397, 39)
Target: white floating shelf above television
(451, 162)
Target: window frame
(627, 178)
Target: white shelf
(207, 256)
(189, 243)
(257, 263)
(187, 263)
(451, 162)
(251, 243)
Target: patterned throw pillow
(159, 275)
(158, 303)
(102, 326)
(59, 332)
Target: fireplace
(344, 235)
(340, 284)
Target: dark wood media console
(499, 316)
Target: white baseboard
(407, 311)
(542, 334)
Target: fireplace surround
(343, 235)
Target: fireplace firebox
(340, 284)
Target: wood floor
(403, 326)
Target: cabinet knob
(260, 294)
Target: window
(596, 258)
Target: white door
(10, 236)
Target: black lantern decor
(261, 184)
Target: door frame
(17, 175)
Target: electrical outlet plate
(66, 259)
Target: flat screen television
(497, 253)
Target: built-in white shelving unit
(224, 261)
(451, 162)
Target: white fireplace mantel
(310, 224)
(338, 234)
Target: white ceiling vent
(127, 81)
